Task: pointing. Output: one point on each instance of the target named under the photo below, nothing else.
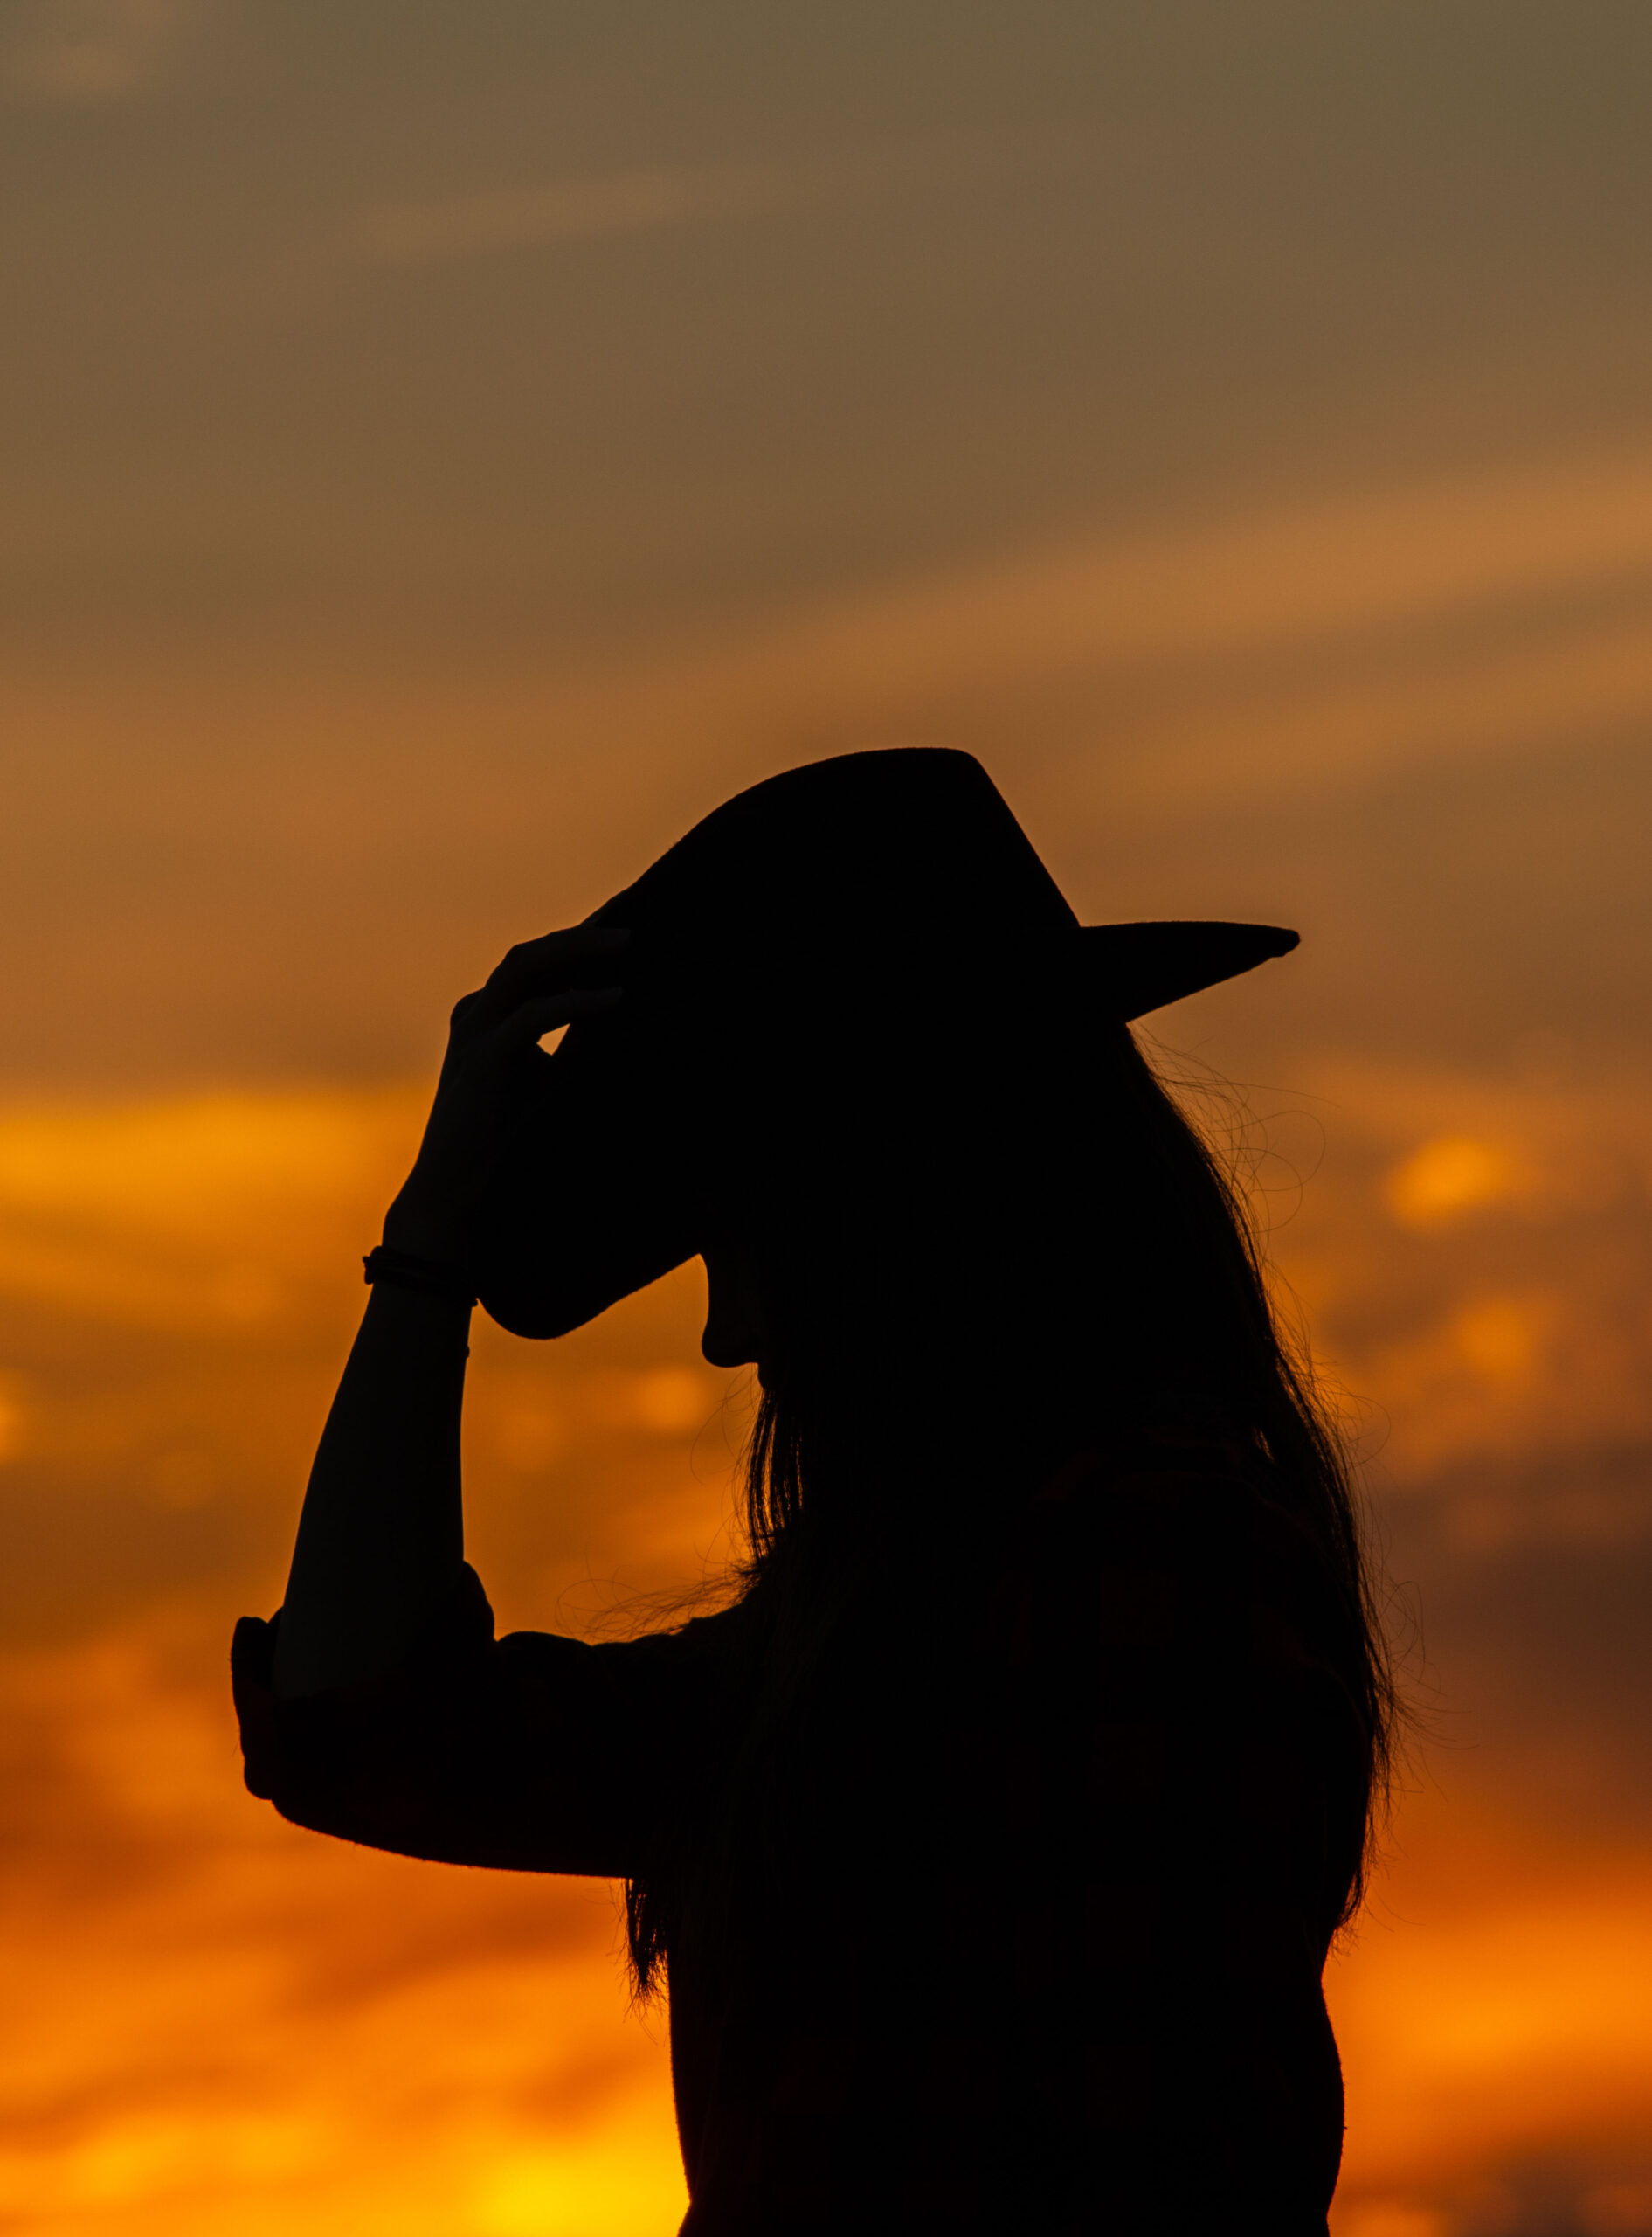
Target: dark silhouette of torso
(1017, 1913)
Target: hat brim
(1135, 968)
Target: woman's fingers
(538, 967)
(554, 962)
(542, 1013)
(535, 990)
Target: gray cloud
(650, 198)
(572, 210)
(85, 52)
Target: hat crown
(914, 844)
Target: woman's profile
(989, 1843)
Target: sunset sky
(448, 449)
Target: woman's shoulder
(1187, 1476)
(1175, 1481)
(1171, 1526)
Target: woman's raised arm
(381, 1538)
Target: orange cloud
(220, 2020)
(216, 2021)
(1491, 2010)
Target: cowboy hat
(871, 886)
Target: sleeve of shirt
(532, 1753)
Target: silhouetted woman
(991, 1843)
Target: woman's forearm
(381, 1539)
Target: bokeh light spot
(1449, 1177)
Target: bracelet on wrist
(430, 1276)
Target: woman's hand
(540, 984)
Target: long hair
(979, 1250)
